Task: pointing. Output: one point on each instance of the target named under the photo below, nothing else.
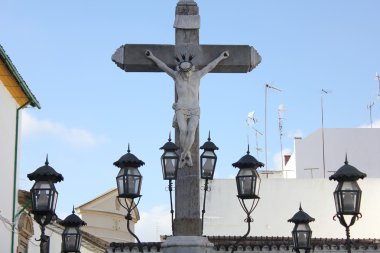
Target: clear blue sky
(91, 109)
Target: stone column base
(187, 244)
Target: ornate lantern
(301, 232)
(71, 236)
(44, 198)
(169, 160)
(208, 159)
(129, 178)
(248, 179)
(207, 167)
(347, 196)
(129, 185)
(43, 193)
(248, 187)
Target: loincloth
(186, 112)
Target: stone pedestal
(187, 244)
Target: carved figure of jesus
(187, 81)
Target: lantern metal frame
(301, 219)
(72, 223)
(347, 175)
(45, 177)
(250, 163)
(170, 156)
(125, 199)
(208, 155)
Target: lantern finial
(248, 149)
(170, 136)
(47, 160)
(209, 138)
(73, 210)
(346, 161)
(129, 150)
(300, 207)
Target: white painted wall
(105, 218)
(280, 200)
(362, 146)
(55, 234)
(8, 107)
(55, 240)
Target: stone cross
(133, 58)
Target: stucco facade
(8, 107)
(280, 200)
(14, 96)
(105, 218)
(360, 144)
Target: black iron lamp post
(301, 232)
(129, 185)
(248, 187)
(71, 236)
(347, 196)
(208, 163)
(44, 199)
(169, 163)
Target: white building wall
(55, 234)
(105, 218)
(55, 240)
(361, 145)
(8, 107)
(280, 200)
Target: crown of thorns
(184, 62)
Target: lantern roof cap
(128, 159)
(209, 145)
(170, 146)
(301, 217)
(45, 172)
(347, 173)
(72, 220)
(247, 161)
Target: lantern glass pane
(170, 164)
(302, 236)
(248, 183)
(54, 202)
(128, 182)
(349, 201)
(350, 186)
(71, 239)
(347, 197)
(44, 196)
(208, 159)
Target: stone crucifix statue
(187, 81)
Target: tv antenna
(267, 86)
(280, 111)
(369, 107)
(311, 171)
(378, 79)
(251, 120)
(323, 92)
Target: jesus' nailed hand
(187, 81)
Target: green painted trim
(33, 100)
(25, 206)
(15, 176)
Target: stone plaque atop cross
(186, 63)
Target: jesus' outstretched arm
(213, 64)
(160, 63)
